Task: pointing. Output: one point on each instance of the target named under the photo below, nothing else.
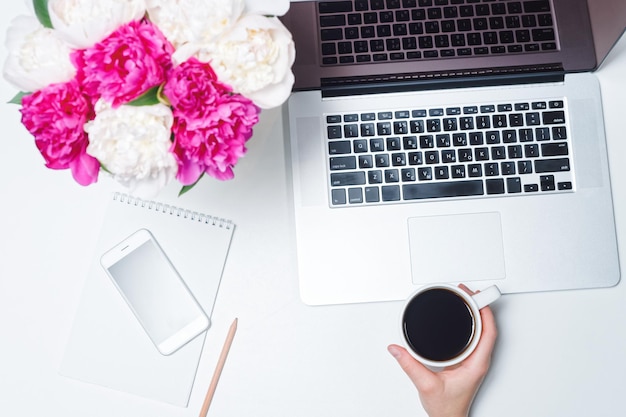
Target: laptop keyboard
(366, 31)
(472, 151)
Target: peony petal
(273, 95)
(83, 23)
(267, 7)
(188, 172)
(37, 57)
(85, 169)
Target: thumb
(416, 371)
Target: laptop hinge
(482, 77)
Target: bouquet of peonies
(146, 90)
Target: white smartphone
(154, 291)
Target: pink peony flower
(211, 124)
(126, 64)
(55, 116)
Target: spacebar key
(442, 189)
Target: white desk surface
(558, 354)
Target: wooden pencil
(218, 369)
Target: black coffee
(438, 324)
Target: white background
(558, 354)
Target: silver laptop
(450, 141)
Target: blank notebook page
(107, 345)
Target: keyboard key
(566, 185)
(525, 167)
(458, 171)
(442, 189)
(372, 195)
(432, 157)
(475, 170)
(531, 151)
(495, 186)
(552, 165)
(513, 185)
(360, 146)
(335, 34)
(375, 177)
(442, 172)
(425, 174)
(377, 145)
(368, 129)
(391, 192)
(415, 158)
(366, 161)
(392, 175)
(342, 163)
(334, 132)
(339, 147)
(492, 169)
(335, 7)
(355, 195)
(394, 144)
(559, 132)
(333, 20)
(542, 133)
(383, 128)
(382, 160)
(553, 117)
(408, 174)
(515, 151)
(347, 178)
(554, 149)
(409, 142)
(543, 35)
(351, 131)
(536, 6)
(338, 196)
(398, 159)
(547, 183)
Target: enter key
(554, 149)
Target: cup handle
(486, 296)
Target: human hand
(450, 392)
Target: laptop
(450, 141)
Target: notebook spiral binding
(172, 210)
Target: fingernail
(395, 352)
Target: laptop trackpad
(456, 248)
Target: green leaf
(189, 187)
(18, 98)
(148, 98)
(41, 11)
(105, 169)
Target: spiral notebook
(107, 345)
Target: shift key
(347, 178)
(552, 165)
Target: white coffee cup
(441, 323)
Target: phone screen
(155, 292)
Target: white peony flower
(267, 7)
(255, 59)
(37, 57)
(132, 143)
(190, 23)
(83, 23)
